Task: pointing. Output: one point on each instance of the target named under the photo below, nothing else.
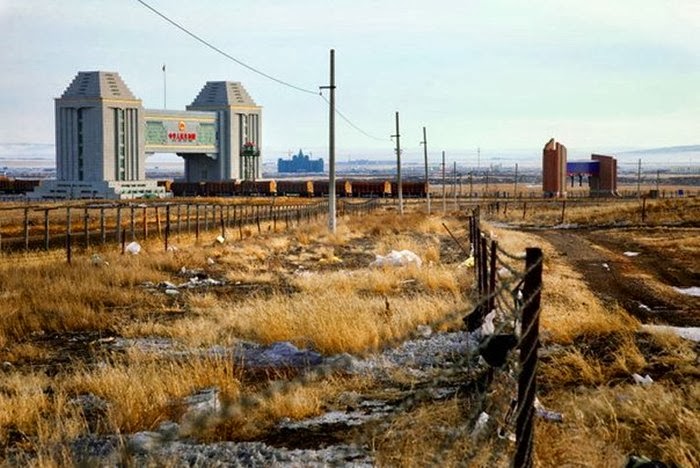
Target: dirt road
(638, 269)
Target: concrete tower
(98, 130)
(554, 169)
(238, 123)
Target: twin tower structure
(103, 136)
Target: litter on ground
(133, 248)
(630, 254)
(397, 258)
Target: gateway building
(103, 136)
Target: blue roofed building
(299, 163)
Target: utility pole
(444, 188)
(454, 183)
(331, 148)
(398, 164)
(471, 184)
(425, 157)
(658, 177)
(478, 158)
(639, 177)
(515, 188)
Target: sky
(500, 75)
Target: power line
(349, 122)
(253, 69)
(228, 56)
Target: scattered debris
(630, 254)
(210, 261)
(424, 331)
(397, 258)
(643, 381)
(96, 260)
(606, 266)
(468, 263)
(644, 307)
(546, 414)
(220, 239)
(480, 425)
(133, 248)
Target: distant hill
(666, 150)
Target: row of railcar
(366, 188)
(10, 186)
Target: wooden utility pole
(444, 188)
(331, 147)
(398, 164)
(454, 183)
(427, 179)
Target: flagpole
(164, 89)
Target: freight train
(10, 186)
(365, 188)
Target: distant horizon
(672, 156)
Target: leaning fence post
(529, 343)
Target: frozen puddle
(689, 333)
(691, 291)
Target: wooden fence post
(563, 212)
(132, 222)
(529, 344)
(103, 233)
(26, 229)
(118, 227)
(222, 222)
(644, 209)
(86, 227)
(145, 223)
(167, 226)
(196, 221)
(46, 230)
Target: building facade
(103, 136)
(299, 163)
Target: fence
(47, 227)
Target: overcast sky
(498, 74)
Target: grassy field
(317, 291)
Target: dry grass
(316, 290)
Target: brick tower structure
(554, 169)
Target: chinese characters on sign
(181, 134)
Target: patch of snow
(644, 307)
(688, 333)
(691, 291)
(630, 254)
(606, 266)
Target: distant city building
(104, 134)
(299, 163)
